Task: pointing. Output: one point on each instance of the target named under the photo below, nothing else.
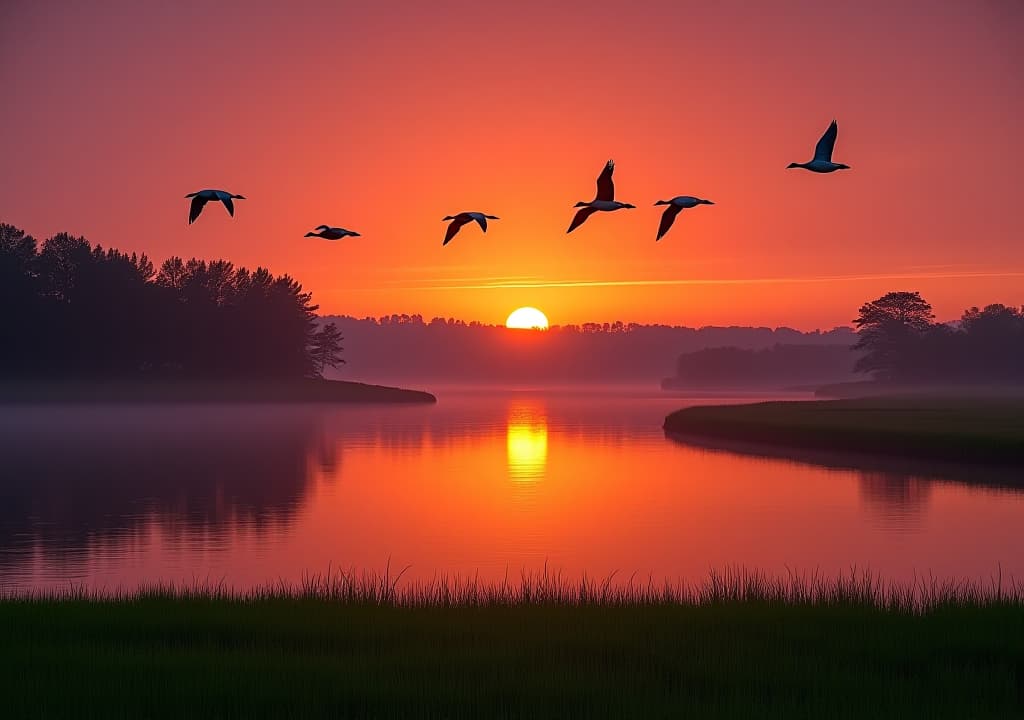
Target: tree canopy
(902, 343)
(74, 309)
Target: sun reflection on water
(527, 441)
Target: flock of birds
(604, 200)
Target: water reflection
(895, 500)
(76, 481)
(487, 483)
(894, 490)
(526, 439)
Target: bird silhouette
(457, 221)
(604, 201)
(675, 206)
(822, 162)
(199, 200)
(332, 233)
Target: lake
(488, 482)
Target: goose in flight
(604, 200)
(457, 221)
(675, 206)
(199, 200)
(822, 162)
(331, 233)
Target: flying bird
(822, 162)
(675, 206)
(199, 200)
(604, 200)
(331, 233)
(457, 221)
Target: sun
(527, 318)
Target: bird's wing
(323, 227)
(667, 218)
(580, 218)
(482, 220)
(605, 187)
(823, 150)
(228, 204)
(453, 227)
(195, 208)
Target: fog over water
(489, 481)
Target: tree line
(72, 309)
(774, 367)
(404, 348)
(901, 342)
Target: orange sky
(384, 117)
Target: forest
(409, 347)
(776, 367)
(898, 342)
(76, 310)
(901, 342)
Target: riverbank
(873, 388)
(306, 390)
(987, 430)
(737, 647)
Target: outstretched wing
(605, 187)
(479, 217)
(323, 227)
(823, 150)
(453, 227)
(580, 218)
(667, 218)
(228, 204)
(195, 208)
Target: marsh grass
(739, 644)
(859, 587)
(977, 430)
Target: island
(978, 430)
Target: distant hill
(405, 347)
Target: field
(738, 646)
(988, 430)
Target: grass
(738, 645)
(960, 429)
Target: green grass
(975, 430)
(737, 646)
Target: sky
(385, 117)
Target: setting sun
(527, 318)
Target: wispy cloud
(532, 283)
(496, 279)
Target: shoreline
(306, 390)
(875, 389)
(980, 431)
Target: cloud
(536, 283)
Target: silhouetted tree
(74, 309)
(902, 343)
(21, 308)
(326, 349)
(888, 328)
(997, 334)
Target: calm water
(483, 483)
